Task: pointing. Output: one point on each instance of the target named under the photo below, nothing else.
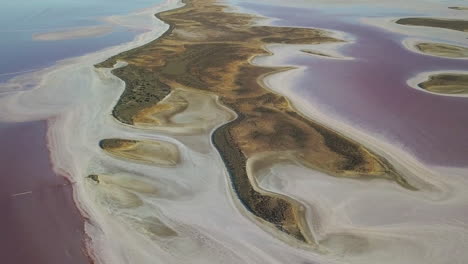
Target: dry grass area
(208, 49)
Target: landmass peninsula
(209, 49)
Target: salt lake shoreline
(387, 149)
(12, 111)
(412, 166)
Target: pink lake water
(40, 223)
(371, 91)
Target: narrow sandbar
(317, 53)
(74, 33)
(461, 8)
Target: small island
(442, 50)
(446, 83)
(452, 24)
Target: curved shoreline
(27, 98)
(24, 86)
(434, 192)
(41, 222)
(111, 233)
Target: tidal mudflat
(263, 132)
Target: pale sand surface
(74, 33)
(145, 214)
(184, 111)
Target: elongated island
(209, 49)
